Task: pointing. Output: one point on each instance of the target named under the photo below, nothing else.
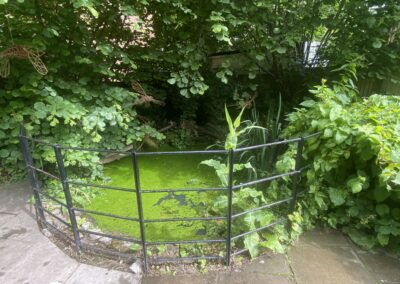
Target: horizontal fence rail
(76, 232)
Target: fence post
(296, 177)
(67, 194)
(229, 217)
(26, 153)
(140, 208)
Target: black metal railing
(76, 231)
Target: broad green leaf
(377, 43)
(319, 199)
(396, 214)
(41, 114)
(172, 81)
(218, 28)
(328, 133)
(337, 196)
(308, 103)
(334, 113)
(252, 75)
(383, 239)
(184, 92)
(260, 57)
(382, 209)
(353, 211)
(272, 242)
(340, 137)
(381, 193)
(106, 49)
(365, 241)
(281, 50)
(395, 154)
(251, 242)
(4, 153)
(355, 184)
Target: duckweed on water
(156, 172)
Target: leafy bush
(354, 179)
(99, 117)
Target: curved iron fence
(76, 231)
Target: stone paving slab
(21, 227)
(210, 278)
(13, 199)
(385, 268)
(324, 237)
(97, 275)
(314, 264)
(34, 263)
(252, 278)
(274, 264)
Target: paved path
(26, 256)
(322, 256)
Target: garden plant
(171, 75)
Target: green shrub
(98, 117)
(354, 179)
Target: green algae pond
(157, 172)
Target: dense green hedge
(354, 180)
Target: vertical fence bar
(26, 152)
(296, 177)
(229, 217)
(67, 194)
(140, 208)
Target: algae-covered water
(157, 172)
